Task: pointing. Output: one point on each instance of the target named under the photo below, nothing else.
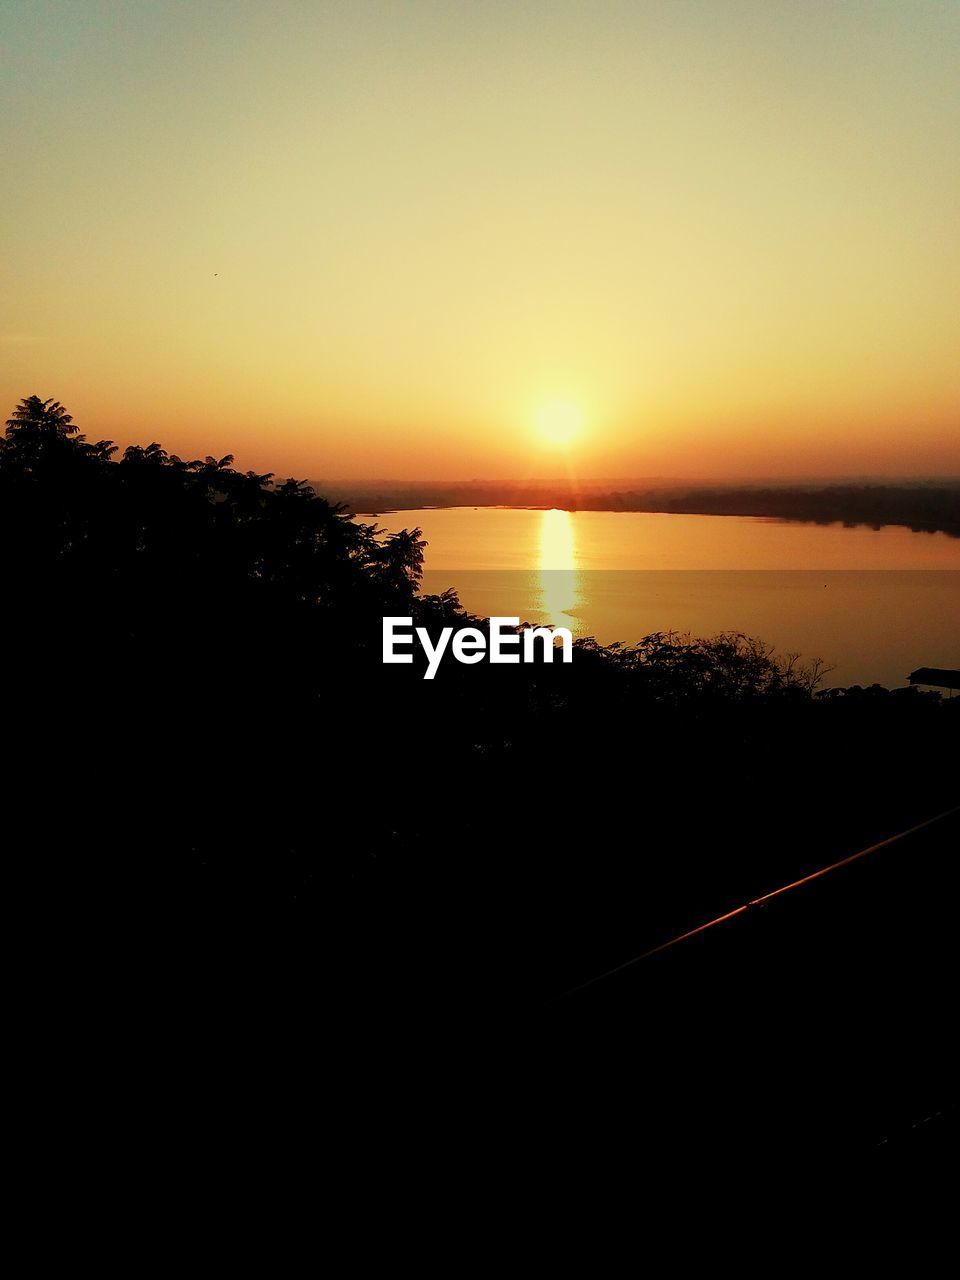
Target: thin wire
(759, 902)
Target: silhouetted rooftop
(939, 676)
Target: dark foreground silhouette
(248, 840)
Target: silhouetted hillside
(211, 632)
(206, 751)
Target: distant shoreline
(920, 508)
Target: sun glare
(559, 422)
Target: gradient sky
(375, 239)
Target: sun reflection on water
(559, 576)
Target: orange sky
(382, 239)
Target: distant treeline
(925, 508)
(921, 508)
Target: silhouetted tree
(34, 416)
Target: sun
(559, 422)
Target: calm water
(873, 604)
